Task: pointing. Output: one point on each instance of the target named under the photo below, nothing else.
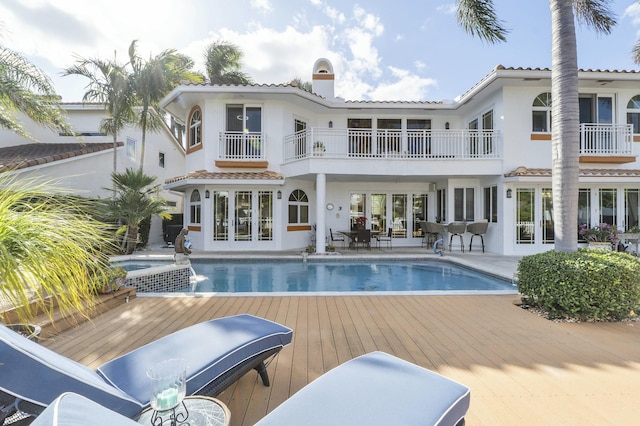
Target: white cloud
(407, 87)
(332, 13)
(264, 5)
(368, 21)
(272, 56)
(51, 31)
(447, 9)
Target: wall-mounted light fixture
(446, 125)
(509, 193)
(207, 194)
(331, 124)
(279, 195)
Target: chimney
(322, 79)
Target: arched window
(195, 207)
(542, 113)
(195, 127)
(298, 207)
(633, 113)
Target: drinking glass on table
(168, 384)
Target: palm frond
(25, 88)
(596, 14)
(50, 247)
(478, 18)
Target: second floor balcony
(242, 146)
(606, 139)
(598, 143)
(390, 144)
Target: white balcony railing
(606, 139)
(406, 144)
(241, 146)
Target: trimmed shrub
(587, 285)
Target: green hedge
(587, 285)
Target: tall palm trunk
(565, 119)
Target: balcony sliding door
(243, 135)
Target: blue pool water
(394, 276)
(334, 276)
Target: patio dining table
(352, 234)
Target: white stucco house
(83, 163)
(268, 167)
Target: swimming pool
(404, 277)
(341, 277)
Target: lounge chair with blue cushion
(73, 409)
(217, 352)
(375, 389)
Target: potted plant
(318, 148)
(360, 222)
(603, 236)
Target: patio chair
(432, 232)
(363, 238)
(218, 352)
(388, 238)
(456, 229)
(375, 389)
(339, 238)
(478, 228)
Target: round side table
(202, 410)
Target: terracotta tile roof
(526, 172)
(203, 174)
(34, 154)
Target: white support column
(321, 198)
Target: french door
(243, 216)
(534, 217)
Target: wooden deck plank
(521, 369)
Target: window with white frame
(487, 135)
(131, 148)
(464, 204)
(491, 203)
(298, 207)
(195, 127)
(633, 113)
(195, 207)
(541, 113)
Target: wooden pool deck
(522, 369)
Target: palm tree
(136, 198)
(478, 17)
(50, 248)
(307, 86)
(151, 80)
(109, 84)
(222, 62)
(25, 88)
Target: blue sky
(381, 50)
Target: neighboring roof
(34, 154)
(527, 172)
(206, 175)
